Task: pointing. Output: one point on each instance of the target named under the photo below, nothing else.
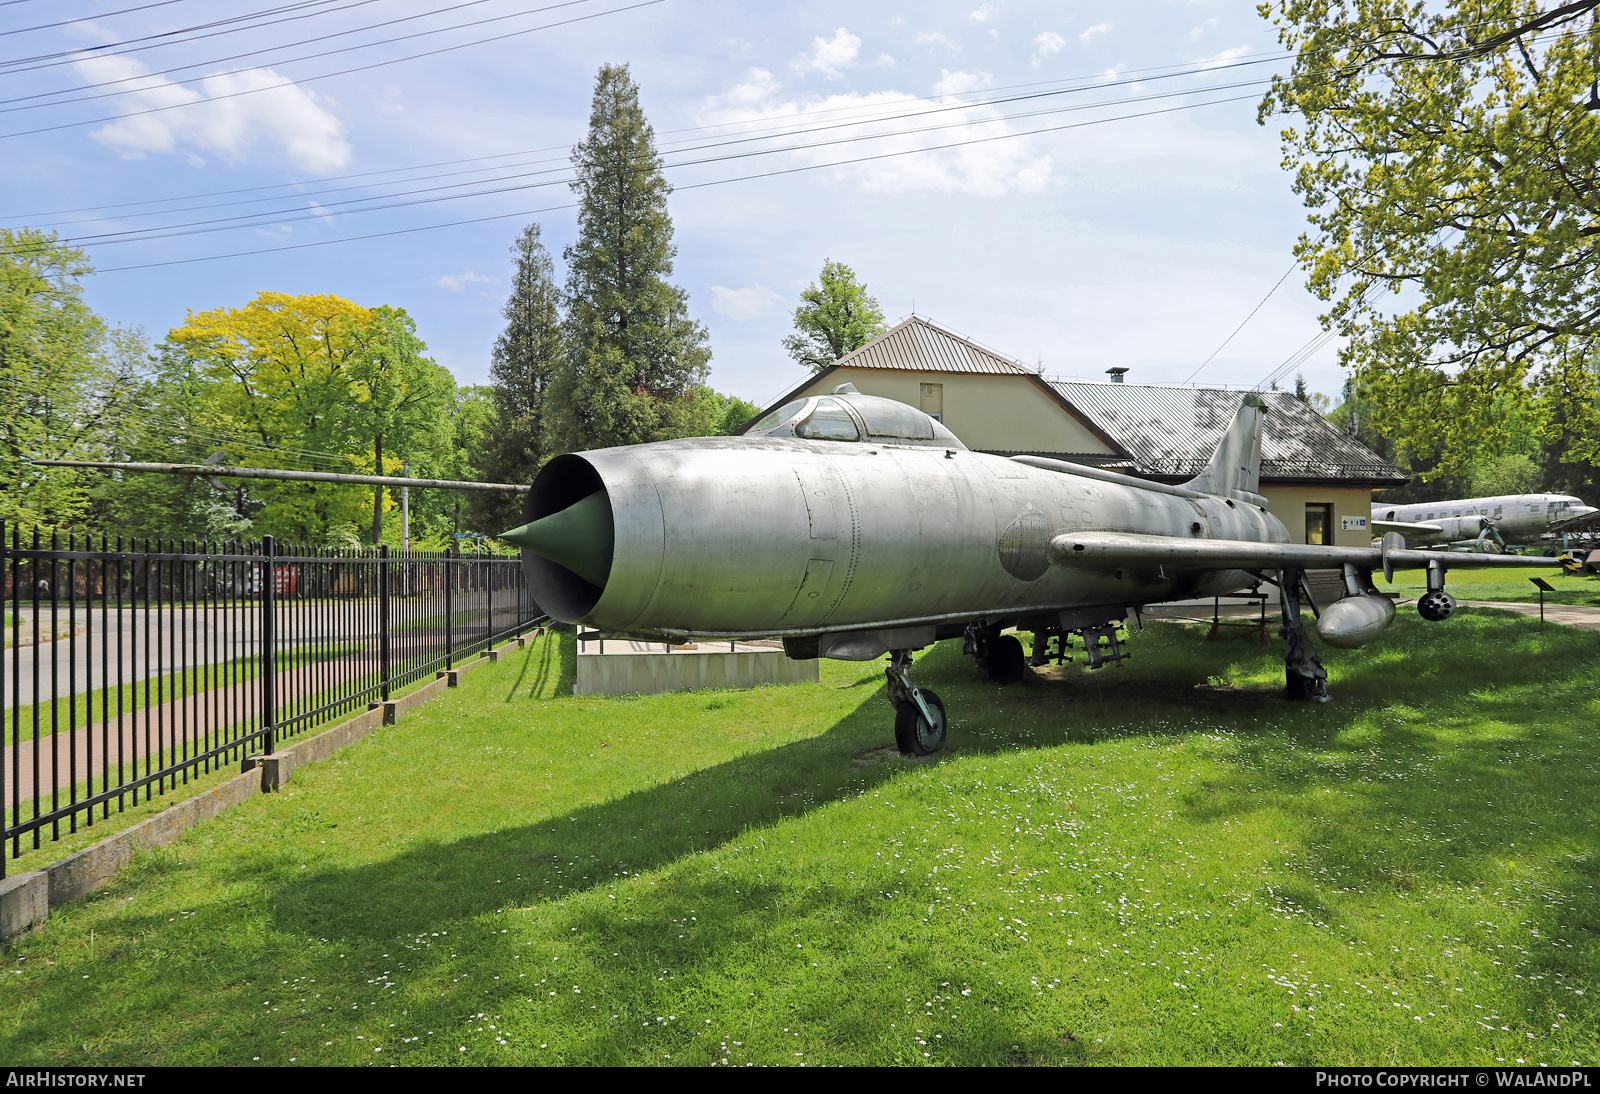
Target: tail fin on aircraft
(1235, 468)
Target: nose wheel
(919, 718)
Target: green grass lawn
(65, 837)
(1157, 863)
(1510, 585)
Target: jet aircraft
(853, 526)
(1505, 517)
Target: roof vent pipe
(1116, 373)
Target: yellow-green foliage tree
(315, 383)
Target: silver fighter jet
(853, 527)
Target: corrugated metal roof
(1172, 431)
(920, 345)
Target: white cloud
(1094, 32)
(937, 38)
(462, 280)
(829, 55)
(988, 169)
(743, 305)
(954, 83)
(1223, 58)
(884, 61)
(983, 14)
(87, 30)
(273, 110)
(752, 93)
(1049, 42)
(1199, 32)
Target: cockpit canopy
(847, 415)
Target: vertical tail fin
(1235, 468)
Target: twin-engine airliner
(1515, 518)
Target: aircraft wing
(1574, 524)
(1406, 528)
(1115, 550)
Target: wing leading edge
(1113, 550)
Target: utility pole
(405, 531)
(377, 495)
(405, 510)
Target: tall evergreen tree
(634, 357)
(526, 355)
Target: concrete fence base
(27, 899)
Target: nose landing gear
(919, 718)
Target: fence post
(269, 645)
(488, 591)
(449, 607)
(383, 616)
(6, 575)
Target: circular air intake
(568, 539)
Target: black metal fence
(134, 667)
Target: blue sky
(1136, 241)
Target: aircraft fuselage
(1513, 516)
(783, 536)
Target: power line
(276, 217)
(348, 71)
(259, 218)
(152, 233)
(1132, 76)
(1300, 356)
(690, 186)
(174, 38)
(72, 56)
(1241, 326)
(86, 18)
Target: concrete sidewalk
(1568, 615)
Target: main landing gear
(919, 718)
(1305, 680)
(1000, 655)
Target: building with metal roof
(1169, 433)
(1315, 476)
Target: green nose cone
(580, 537)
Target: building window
(1319, 524)
(933, 401)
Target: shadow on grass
(1404, 741)
(1403, 707)
(551, 659)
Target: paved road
(186, 725)
(137, 642)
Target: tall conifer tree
(526, 355)
(634, 357)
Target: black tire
(1006, 661)
(912, 733)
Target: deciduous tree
(315, 382)
(1451, 152)
(835, 316)
(65, 378)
